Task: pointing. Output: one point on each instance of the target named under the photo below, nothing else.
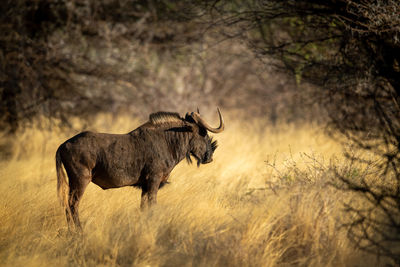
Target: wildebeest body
(143, 158)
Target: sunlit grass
(232, 212)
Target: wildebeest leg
(153, 186)
(149, 191)
(145, 198)
(77, 183)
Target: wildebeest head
(202, 145)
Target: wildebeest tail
(62, 184)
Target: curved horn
(199, 120)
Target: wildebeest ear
(189, 118)
(186, 128)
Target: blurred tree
(350, 52)
(59, 60)
(62, 59)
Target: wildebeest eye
(202, 131)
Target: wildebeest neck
(178, 140)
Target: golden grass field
(261, 202)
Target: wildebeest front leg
(149, 192)
(144, 200)
(153, 192)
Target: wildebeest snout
(205, 161)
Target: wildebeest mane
(164, 117)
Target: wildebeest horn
(198, 111)
(199, 120)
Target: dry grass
(236, 211)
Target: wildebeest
(143, 157)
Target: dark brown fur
(144, 158)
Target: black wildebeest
(144, 157)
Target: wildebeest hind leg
(78, 184)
